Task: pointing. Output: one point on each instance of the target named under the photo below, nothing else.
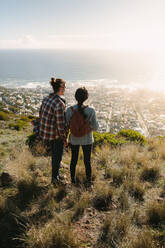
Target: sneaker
(89, 184)
(56, 181)
(59, 177)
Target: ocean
(30, 68)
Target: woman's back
(90, 118)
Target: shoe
(56, 181)
(59, 177)
(88, 184)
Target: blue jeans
(57, 152)
(87, 149)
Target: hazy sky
(97, 24)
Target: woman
(76, 139)
(53, 125)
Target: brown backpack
(78, 125)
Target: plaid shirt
(52, 118)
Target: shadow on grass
(12, 221)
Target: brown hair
(56, 83)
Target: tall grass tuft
(61, 193)
(155, 214)
(136, 190)
(103, 196)
(27, 191)
(116, 174)
(150, 173)
(79, 207)
(144, 239)
(51, 235)
(114, 229)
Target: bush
(25, 118)
(18, 125)
(107, 138)
(14, 109)
(37, 146)
(4, 116)
(32, 117)
(2, 106)
(132, 135)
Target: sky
(117, 25)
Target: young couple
(54, 125)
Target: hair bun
(53, 80)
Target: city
(116, 108)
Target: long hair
(56, 83)
(81, 95)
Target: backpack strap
(72, 109)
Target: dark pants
(57, 152)
(87, 160)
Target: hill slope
(125, 207)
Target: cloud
(70, 41)
(75, 41)
(23, 42)
(120, 41)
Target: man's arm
(60, 121)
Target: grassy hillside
(125, 207)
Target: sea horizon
(29, 68)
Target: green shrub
(32, 117)
(14, 109)
(107, 138)
(4, 116)
(25, 118)
(132, 135)
(2, 106)
(18, 125)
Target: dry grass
(128, 154)
(102, 196)
(116, 174)
(155, 214)
(124, 201)
(151, 172)
(51, 235)
(19, 167)
(79, 207)
(103, 155)
(114, 229)
(144, 239)
(135, 189)
(123, 208)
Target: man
(52, 124)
